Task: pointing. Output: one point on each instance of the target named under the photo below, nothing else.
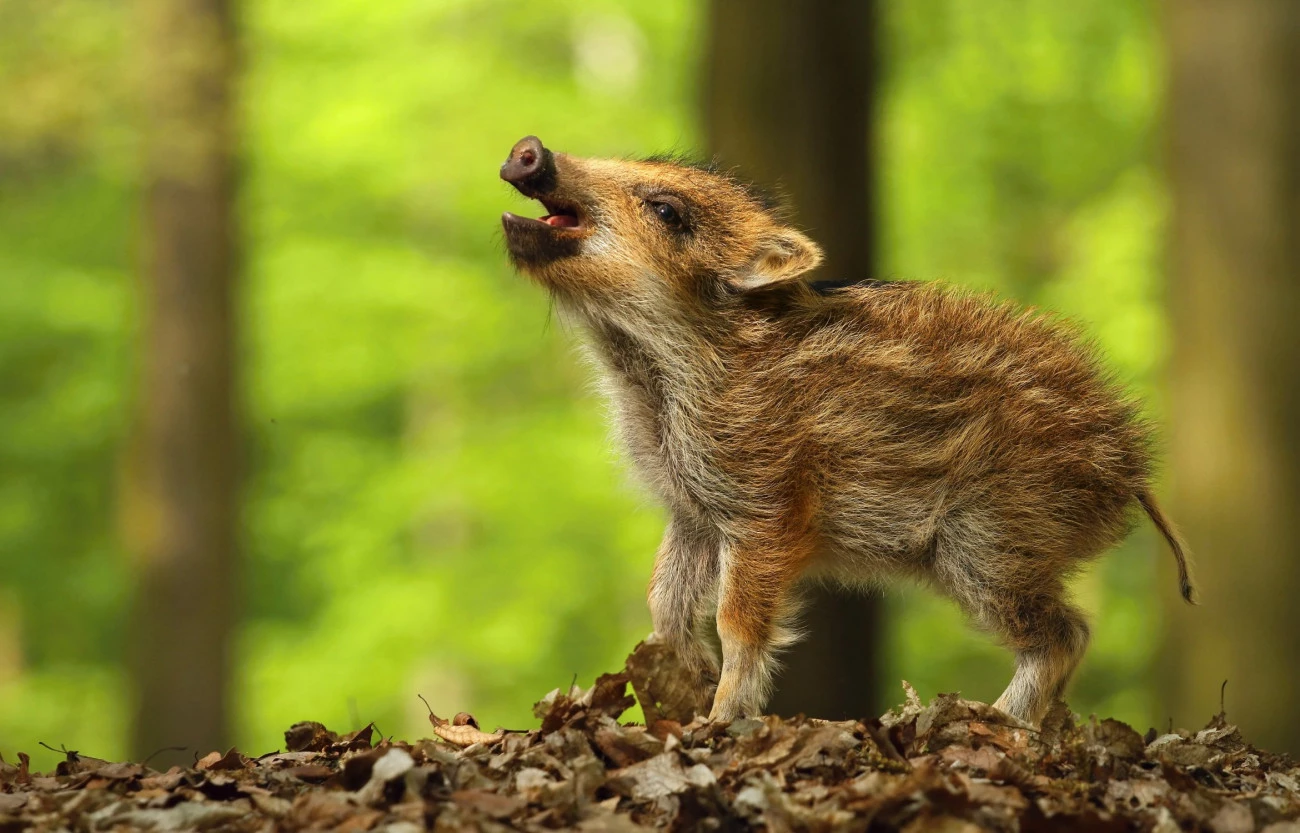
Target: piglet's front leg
(755, 606)
(684, 586)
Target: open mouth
(559, 215)
(537, 240)
(559, 233)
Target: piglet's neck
(664, 357)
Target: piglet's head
(646, 231)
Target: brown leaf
(825, 744)
(769, 747)
(360, 739)
(393, 764)
(1232, 818)
(219, 787)
(1224, 738)
(883, 738)
(74, 763)
(1058, 721)
(608, 697)
(12, 803)
(189, 815)
(983, 759)
(310, 772)
(626, 745)
(660, 776)
(1007, 798)
(323, 811)
(663, 728)
(357, 768)
(167, 781)
(231, 760)
(8, 772)
(120, 772)
(308, 736)
(491, 804)
(466, 735)
(360, 820)
(207, 760)
(1007, 738)
(664, 686)
(1180, 751)
(269, 805)
(283, 760)
(463, 730)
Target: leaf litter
(950, 765)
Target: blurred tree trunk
(1234, 122)
(182, 495)
(790, 101)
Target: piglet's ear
(783, 255)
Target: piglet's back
(933, 383)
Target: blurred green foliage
(432, 504)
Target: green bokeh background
(432, 502)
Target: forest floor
(952, 765)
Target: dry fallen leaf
(215, 760)
(664, 687)
(464, 734)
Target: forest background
(430, 503)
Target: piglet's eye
(666, 213)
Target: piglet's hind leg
(1049, 637)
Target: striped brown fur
(857, 434)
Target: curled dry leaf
(232, 760)
(665, 688)
(462, 730)
(8, 772)
(466, 735)
(358, 740)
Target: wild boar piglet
(850, 431)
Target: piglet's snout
(530, 167)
